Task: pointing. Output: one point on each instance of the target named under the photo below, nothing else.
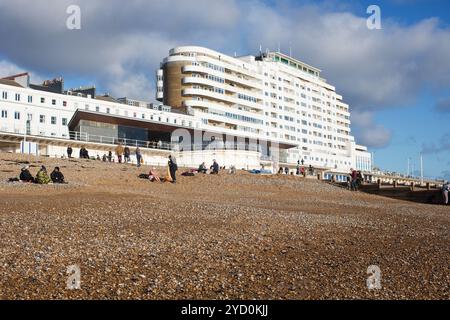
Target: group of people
(171, 176)
(42, 176)
(354, 180)
(214, 168)
(123, 155)
(301, 171)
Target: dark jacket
(26, 176)
(215, 167)
(173, 165)
(57, 177)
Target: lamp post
(25, 131)
(421, 168)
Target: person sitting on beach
(42, 176)
(57, 176)
(25, 175)
(153, 175)
(202, 168)
(215, 167)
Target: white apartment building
(272, 96)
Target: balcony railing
(85, 137)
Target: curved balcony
(225, 86)
(204, 70)
(221, 97)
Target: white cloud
(369, 132)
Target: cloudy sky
(396, 80)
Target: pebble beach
(239, 236)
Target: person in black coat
(173, 167)
(25, 175)
(69, 151)
(57, 176)
(215, 167)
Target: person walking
(109, 156)
(173, 167)
(119, 152)
(354, 179)
(138, 157)
(69, 151)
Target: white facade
(49, 113)
(271, 97)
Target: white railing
(86, 137)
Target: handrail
(85, 137)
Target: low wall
(241, 159)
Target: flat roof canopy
(147, 124)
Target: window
(64, 121)
(4, 114)
(17, 115)
(30, 99)
(64, 103)
(42, 100)
(54, 102)
(53, 120)
(108, 110)
(42, 118)
(17, 97)
(5, 95)
(97, 109)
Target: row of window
(42, 118)
(17, 97)
(247, 98)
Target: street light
(421, 168)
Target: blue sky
(393, 79)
